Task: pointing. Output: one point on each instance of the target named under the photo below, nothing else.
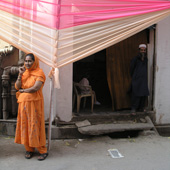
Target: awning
(60, 32)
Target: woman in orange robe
(30, 130)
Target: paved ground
(142, 153)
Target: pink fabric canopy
(59, 14)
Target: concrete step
(73, 132)
(106, 118)
(66, 132)
(8, 128)
(86, 128)
(101, 129)
(98, 125)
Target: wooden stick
(50, 113)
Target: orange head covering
(34, 69)
(28, 82)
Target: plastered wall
(62, 98)
(162, 79)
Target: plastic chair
(79, 93)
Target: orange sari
(30, 128)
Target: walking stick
(50, 113)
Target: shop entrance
(109, 75)
(95, 67)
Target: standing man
(138, 71)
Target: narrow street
(145, 152)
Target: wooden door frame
(151, 67)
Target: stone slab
(83, 123)
(110, 128)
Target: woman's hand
(32, 89)
(21, 70)
(18, 82)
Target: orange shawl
(29, 77)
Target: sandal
(42, 156)
(28, 155)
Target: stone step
(106, 118)
(64, 132)
(101, 129)
(83, 131)
(86, 128)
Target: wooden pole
(50, 113)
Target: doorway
(109, 73)
(95, 67)
(118, 68)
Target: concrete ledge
(64, 132)
(7, 128)
(68, 131)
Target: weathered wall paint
(162, 80)
(62, 98)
